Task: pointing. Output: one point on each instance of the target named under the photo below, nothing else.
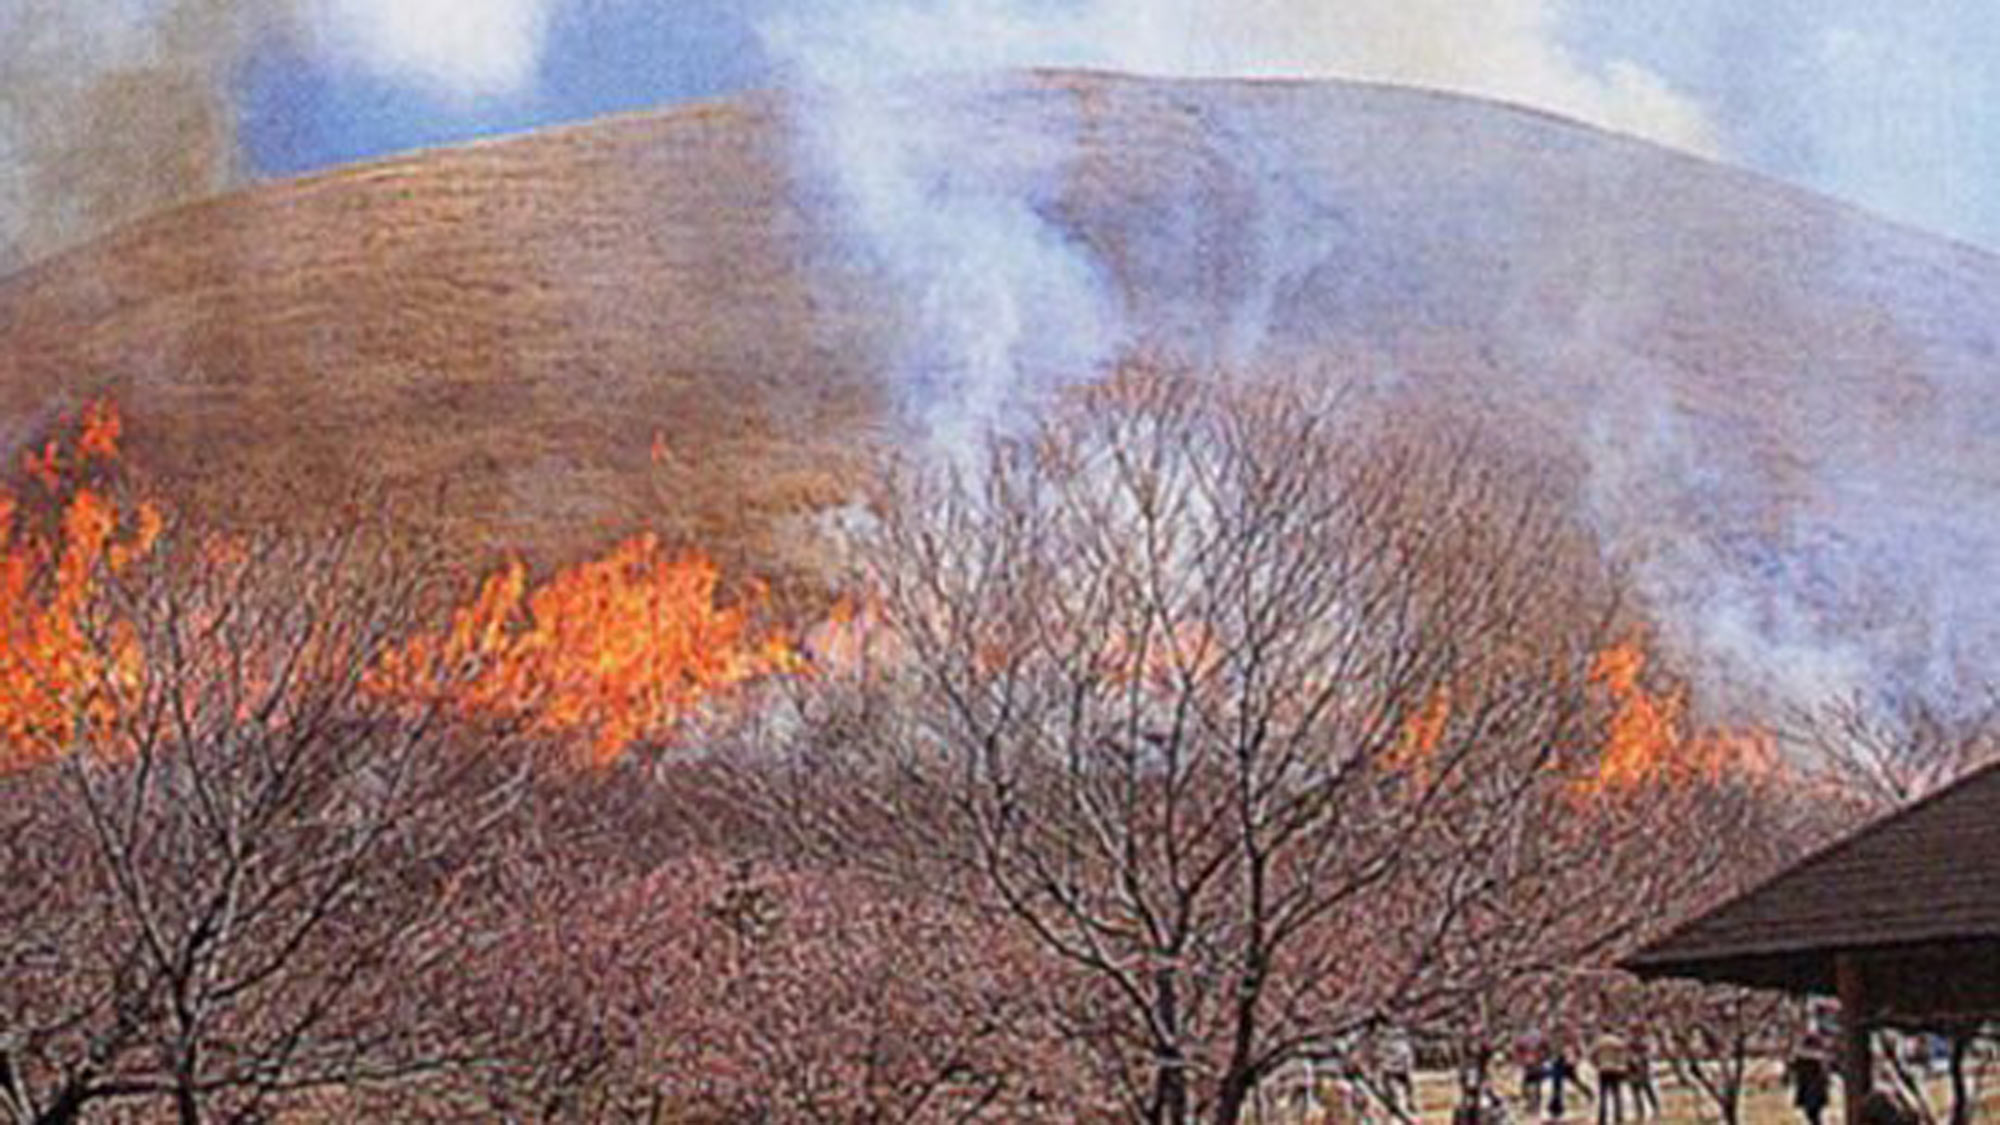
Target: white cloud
(457, 50)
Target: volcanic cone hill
(506, 327)
(501, 329)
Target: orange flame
(1648, 740)
(102, 427)
(1644, 735)
(622, 648)
(59, 670)
(618, 649)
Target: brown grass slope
(501, 329)
(497, 331)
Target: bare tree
(1872, 756)
(1741, 826)
(1254, 711)
(632, 967)
(236, 864)
(1715, 1034)
(1883, 754)
(1968, 1062)
(1643, 851)
(717, 991)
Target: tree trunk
(1236, 1092)
(1170, 1096)
(1733, 1083)
(187, 1107)
(1170, 1093)
(187, 1103)
(1239, 1083)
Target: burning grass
(61, 667)
(1649, 736)
(617, 649)
(610, 652)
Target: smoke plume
(1837, 579)
(112, 109)
(999, 299)
(453, 50)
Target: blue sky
(1895, 106)
(302, 109)
(1892, 106)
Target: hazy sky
(1895, 106)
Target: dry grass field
(497, 332)
(545, 343)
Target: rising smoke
(113, 109)
(1001, 301)
(110, 109)
(1828, 583)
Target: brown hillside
(499, 330)
(1779, 402)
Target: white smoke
(1793, 542)
(995, 300)
(1833, 581)
(113, 109)
(999, 301)
(1509, 50)
(109, 109)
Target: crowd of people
(1552, 1086)
(1624, 1069)
(1623, 1064)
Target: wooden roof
(1915, 897)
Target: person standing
(1475, 1094)
(1611, 1057)
(1560, 1073)
(1531, 1055)
(1399, 1065)
(1811, 1078)
(1645, 1099)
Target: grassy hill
(1777, 402)
(500, 331)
